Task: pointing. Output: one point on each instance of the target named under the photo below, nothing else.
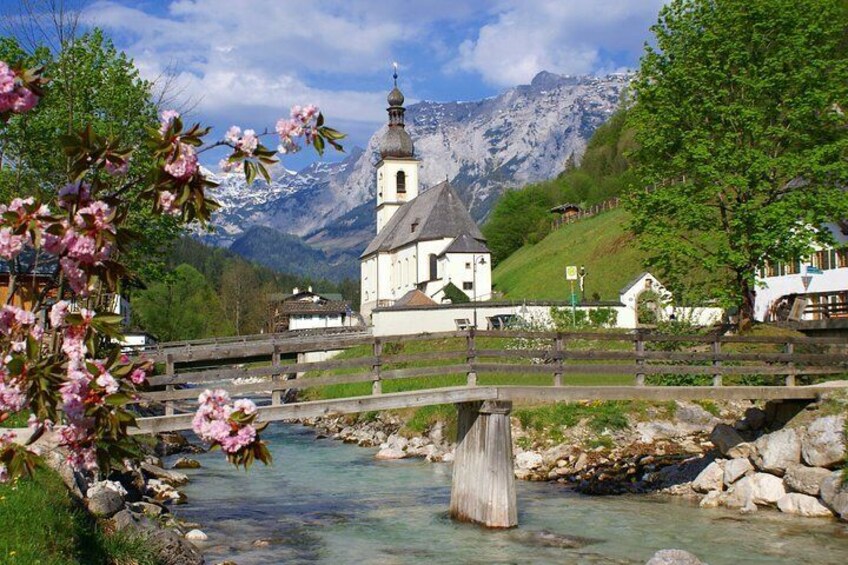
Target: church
(426, 239)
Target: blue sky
(246, 62)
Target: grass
(600, 416)
(601, 243)
(40, 524)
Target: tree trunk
(746, 308)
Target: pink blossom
(183, 163)
(108, 382)
(245, 405)
(166, 119)
(75, 192)
(167, 200)
(76, 276)
(138, 376)
(12, 398)
(11, 244)
(249, 142)
(58, 313)
(233, 134)
(13, 318)
(99, 213)
(233, 443)
(7, 78)
(26, 100)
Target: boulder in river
(674, 557)
(777, 450)
(173, 478)
(528, 460)
(802, 505)
(170, 443)
(734, 469)
(834, 493)
(803, 479)
(196, 535)
(186, 463)
(741, 494)
(823, 443)
(711, 478)
(172, 549)
(724, 437)
(768, 489)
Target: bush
(455, 295)
(565, 319)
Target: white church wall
(460, 270)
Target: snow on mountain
(483, 147)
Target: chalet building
(811, 289)
(567, 212)
(425, 238)
(304, 309)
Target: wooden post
(471, 357)
(376, 384)
(716, 361)
(275, 378)
(483, 484)
(790, 366)
(170, 371)
(640, 360)
(558, 349)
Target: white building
(304, 309)
(814, 288)
(425, 240)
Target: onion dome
(396, 142)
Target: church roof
(434, 214)
(466, 244)
(414, 298)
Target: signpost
(571, 275)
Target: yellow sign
(571, 273)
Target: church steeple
(396, 142)
(397, 172)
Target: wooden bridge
(483, 374)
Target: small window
(434, 267)
(467, 286)
(401, 182)
(468, 265)
(413, 227)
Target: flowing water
(326, 502)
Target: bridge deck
(533, 394)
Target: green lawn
(41, 525)
(601, 243)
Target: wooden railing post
(471, 357)
(170, 371)
(376, 384)
(558, 349)
(716, 361)
(790, 365)
(640, 359)
(276, 377)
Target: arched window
(434, 267)
(401, 182)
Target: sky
(246, 62)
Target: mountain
(522, 135)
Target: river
(327, 502)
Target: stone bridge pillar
(483, 487)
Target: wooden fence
(558, 354)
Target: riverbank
(729, 454)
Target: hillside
(600, 243)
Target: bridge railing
(522, 356)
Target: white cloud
(564, 36)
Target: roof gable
(434, 214)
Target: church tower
(397, 171)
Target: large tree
(742, 139)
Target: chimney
(310, 289)
(295, 290)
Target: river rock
(186, 463)
(744, 450)
(693, 414)
(170, 443)
(740, 494)
(673, 557)
(710, 478)
(768, 489)
(649, 432)
(147, 509)
(196, 535)
(171, 549)
(777, 450)
(712, 500)
(754, 420)
(834, 493)
(823, 443)
(528, 461)
(802, 505)
(173, 478)
(390, 453)
(736, 468)
(807, 480)
(725, 437)
(105, 498)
